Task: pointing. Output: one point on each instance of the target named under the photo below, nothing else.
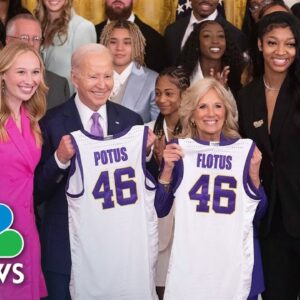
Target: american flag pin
(258, 123)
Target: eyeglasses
(258, 6)
(26, 38)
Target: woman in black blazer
(269, 113)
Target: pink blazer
(18, 159)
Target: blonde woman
(211, 177)
(63, 32)
(22, 104)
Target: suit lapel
(282, 107)
(260, 118)
(22, 140)
(114, 122)
(135, 85)
(72, 120)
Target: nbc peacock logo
(11, 245)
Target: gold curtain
(235, 10)
(156, 13)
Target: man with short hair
(26, 28)
(177, 33)
(92, 75)
(122, 10)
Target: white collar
(131, 18)
(124, 75)
(211, 17)
(85, 114)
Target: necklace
(267, 86)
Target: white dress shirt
(131, 18)
(85, 114)
(120, 79)
(193, 21)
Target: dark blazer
(50, 180)
(174, 34)
(154, 57)
(59, 90)
(280, 169)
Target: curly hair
(58, 27)
(190, 55)
(36, 106)
(179, 78)
(190, 102)
(138, 41)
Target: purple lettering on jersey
(209, 161)
(220, 193)
(199, 192)
(110, 156)
(127, 184)
(102, 190)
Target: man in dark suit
(92, 75)
(122, 10)
(26, 28)
(177, 33)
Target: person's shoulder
(50, 76)
(251, 86)
(77, 20)
(123, 112)
(150, 73)
(177, 24)
(100, 25)
(57, 112)
(145, 27)
(228, 25)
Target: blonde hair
(59, 26)
(138, 42)
(190, 100)
(36, 106)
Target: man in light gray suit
(26, 28)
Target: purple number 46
(199, 192)
(104, 190)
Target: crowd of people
(147, 166)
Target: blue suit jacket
(50, 180)
(140, 93)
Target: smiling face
(94, 79)
(203, 8)
(167, 96)
(278, 49)
(120, 46)
(212, 41)
(22, 78)
(23, 27)
(54, 7)
(209, 116)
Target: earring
(193, 124)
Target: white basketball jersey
(112, 220)
(212, 255)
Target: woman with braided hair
(170, 85)
(134, 83)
